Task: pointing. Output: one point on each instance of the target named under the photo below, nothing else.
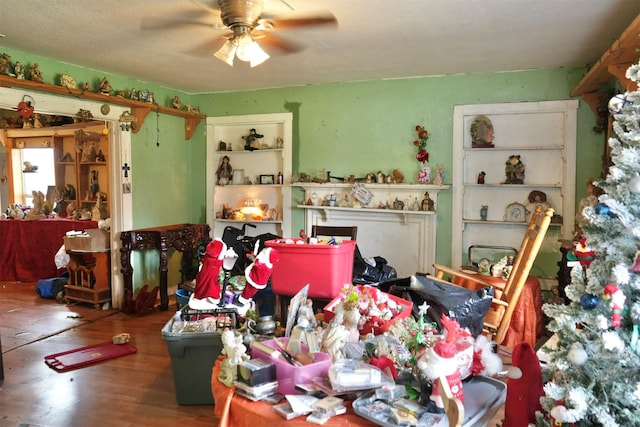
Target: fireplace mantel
(406, 238)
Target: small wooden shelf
(138, 109)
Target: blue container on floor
(182, 297)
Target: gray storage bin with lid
(193, 355)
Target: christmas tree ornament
(617, 103)
(577, 355)
(636, 263)
(617, 298)
(634, 184)
(589, 301)
(602, 209)
(584, 254)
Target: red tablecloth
(236, 411)
(527, 322)
(28, 248)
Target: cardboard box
(91, 240)
(326, 268)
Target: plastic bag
(366, 272)
(61, 258)
(468, 307)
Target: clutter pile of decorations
(369, 346)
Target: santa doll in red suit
(206, 295)
(440, 361)
(257, 275)
(210, 278)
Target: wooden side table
(182, 237)
(89, 277)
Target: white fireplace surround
(405, 238)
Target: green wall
(345, 128)
(355, 128)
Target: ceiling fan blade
(152, 24)
(196, 14)
(207, 48)
(270, 40)
(298, 21)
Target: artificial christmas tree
(592, 377)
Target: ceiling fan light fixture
(227, 52)
(248, 50)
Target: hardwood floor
(132, 390)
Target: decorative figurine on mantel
(105, 86)
(19, 71)
(427, 203)
(35, 74)
(514, 170)
(176, 102)
(250, 143)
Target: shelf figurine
(250, 143)
(514, 170)
(224, 173)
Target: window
(43, 175)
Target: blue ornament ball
(617, 104)
(602, 209)
(588, 301)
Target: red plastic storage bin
(327, 268)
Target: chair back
(334, 231)
(497, 320)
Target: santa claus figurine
(207, 291)
(438, 361)
(618, 299)
(257, 275)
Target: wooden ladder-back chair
(498, 318)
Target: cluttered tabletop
(374, 355)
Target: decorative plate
(515, 212)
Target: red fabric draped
(28, 248)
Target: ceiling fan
(246, 24)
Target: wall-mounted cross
(126, 170)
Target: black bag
(466, 306)
(367, 274)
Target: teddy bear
(514, 170)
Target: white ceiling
(374, 39)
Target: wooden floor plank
(135, 390)
(132, 390)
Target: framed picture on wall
(267, 179)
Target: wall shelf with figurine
(139, 109)
(514, 156)
(248, 158)
(404, 236)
